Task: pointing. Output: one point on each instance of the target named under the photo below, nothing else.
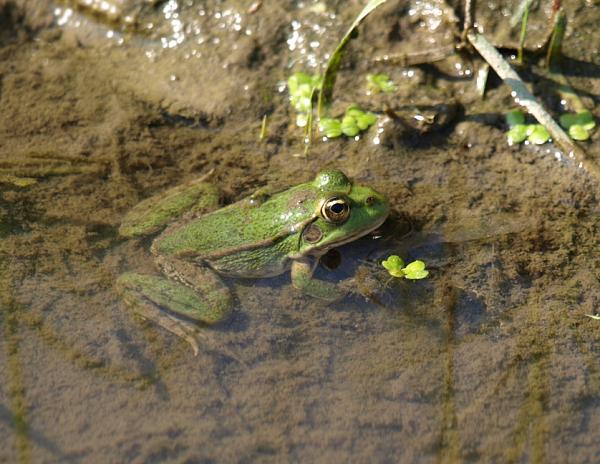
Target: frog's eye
(335, 210)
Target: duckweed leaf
(416, 270)
(517, 134)
(301, 87)
(353, 122)
(394, 265)
(586, 119)
(349, 126)
(380, 83)
(537, 134)
(578, 132)
(354, 111)
(515, 117)
(331, 127)
(365, 120)
(583, 118)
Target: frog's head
(344, 212)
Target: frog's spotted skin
(259, 236)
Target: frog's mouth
(350, 238)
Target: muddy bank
(491, 358)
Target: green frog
(260, 236)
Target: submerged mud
(492, 358)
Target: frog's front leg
(153, 213)
(193, 292)
(302, 279)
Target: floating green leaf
(515, 117)
(349, 126)
(301, 87)
(394, 265)
(380, 83)
(353, 122)
(366, 120)
(537, 134)
(413, 271)
(331, 127)
(579, 124)
(517, 134)
(583, 118)
(578, 132)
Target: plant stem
(554, 53)
(523, 33)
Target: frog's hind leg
(163, 300)
(154, 213)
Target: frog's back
(241, 239)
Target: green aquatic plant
(517, 134)
(396, 268)
(380, 83)
(331, 127)
(579, 125)
(537, 134)
(352, 123)
(301, 87)
(519, 131)
(523, 31)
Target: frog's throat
(290, 230)
(321, 250)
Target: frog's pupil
(337, 208)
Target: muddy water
(492, 358)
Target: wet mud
(492, 358)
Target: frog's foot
(161, 301)
(302, 271)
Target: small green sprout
(380, 83)
(519, 131)
(301, 86)
(354, 121)
(579, 125)
(413, 271)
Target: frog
(196, 243)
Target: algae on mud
(496, 361)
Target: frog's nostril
(369, 201)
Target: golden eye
(335, 210)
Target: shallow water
(492, 358)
